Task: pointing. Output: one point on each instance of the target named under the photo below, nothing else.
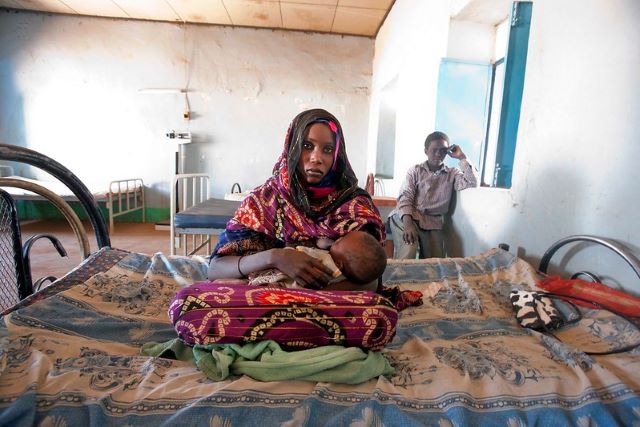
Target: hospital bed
(71, 355)
(119, 198)
(195, 216)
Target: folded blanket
(266, 361)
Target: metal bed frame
(188, 190)
(122, 196)
(616, 247)
(80, 193)
(195, 216)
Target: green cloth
(266, 361)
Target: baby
(357, 260)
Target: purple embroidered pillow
(211, 313)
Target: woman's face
(316, 157)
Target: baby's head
(359, 256)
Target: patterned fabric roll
(222, 313)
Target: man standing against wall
(417, 221)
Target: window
(386, 144)
(507, 84)
(461, 107)
(488, 163)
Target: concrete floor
(45, 260)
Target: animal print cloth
(534, 310)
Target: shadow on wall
(197, 153)
(155, 195)
(452, 238)
(555, 206)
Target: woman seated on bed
(311, 197)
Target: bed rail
(188, 189)
(124, 196)
(623, 252)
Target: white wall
(576, 159)
(70, 89)
(409, 46)
(576, 166)
(471, 41)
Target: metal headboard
(609, 243)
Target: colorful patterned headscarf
(282, 212)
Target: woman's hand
(410, 232)
(307, 271)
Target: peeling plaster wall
(578, 147)
(71, 89)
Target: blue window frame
(505, 102)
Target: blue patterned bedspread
(70, 356)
